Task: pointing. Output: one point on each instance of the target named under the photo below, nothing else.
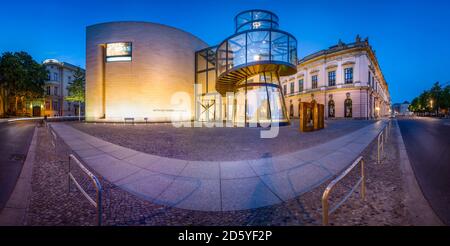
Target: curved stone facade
(162, 63)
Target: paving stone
(336, 162)
(194, 194)
(51, 204)
(236, 169)
(306, 177)
(148, 185)
(202, 170)
(123, 153)
(110, 168)
(276, 164)
(85, 153)
(143, 160)
(280, 184)
(246, 193)
(168, 166)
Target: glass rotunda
(249, 64)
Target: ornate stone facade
(346, 78)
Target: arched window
(331, 109)
(348, 107)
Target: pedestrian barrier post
(97, 203)
(362, 181)
(380, 145)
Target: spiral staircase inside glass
(239, 80)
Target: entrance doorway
(36, 111)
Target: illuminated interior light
(113, 59)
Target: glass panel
(261, 24)
(275, 19)
(201, 60)
(240, 105)
(292, 51)
(276, 101)
(236, 51)
(243, 18)
(201, 79)
(221, 58)
(257, 46)
(275, 25)
(260, 15)
(211, 81)
(279, 47)
(257, 104)
(245, 27)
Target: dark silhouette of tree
(21, 79)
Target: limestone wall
(163, 60)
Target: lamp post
(431, 105)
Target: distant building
(60, 74)
(346, 78)
(401, 108)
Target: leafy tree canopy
(22, 75)
(76, 87)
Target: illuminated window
(348, 73)
(300, 85)
(332, 78)
(314, 80)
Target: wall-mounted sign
(118, 51)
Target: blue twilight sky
(411, 38)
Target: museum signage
(121, 51)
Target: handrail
(380, 144)
(98, 187)
(362, 181)
(383, 138)
(54, 138)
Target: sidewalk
(218, 186)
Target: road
(15, 139)
(427, 142)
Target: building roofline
(342, 47)
(62, 64)
(146, 22)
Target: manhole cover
(17, 157)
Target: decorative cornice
(333, 66)
(347, 63)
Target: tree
(445, 98)
(76, 90)
(414, 106)
(433, 100)
(435, 95)
(21, 78)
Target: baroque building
(346, 78)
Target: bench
(128, 119)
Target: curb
(420, 210)
(15, 211)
